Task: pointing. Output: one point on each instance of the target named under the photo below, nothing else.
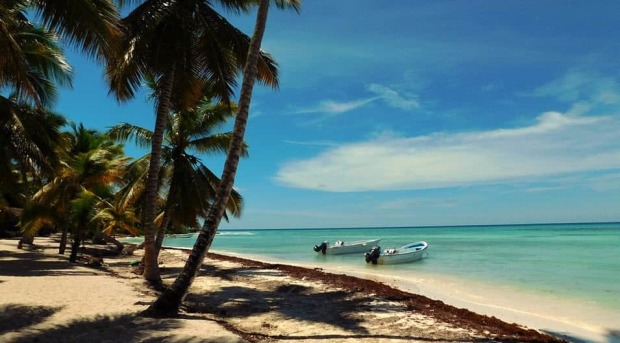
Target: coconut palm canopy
(187, 184)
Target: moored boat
(407, 253)
(342, 247)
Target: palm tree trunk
(159, 240)
(63, 239)
(75, 247)
(151, 266)
(169, 301)
(109, 239)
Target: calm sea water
(580, 261)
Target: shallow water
(574, 261)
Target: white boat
(342, 247)
(407, 253)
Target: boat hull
(356, 247)
(408, 253)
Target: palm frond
(123, 132)
(90, 24)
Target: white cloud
(333, 107)
(392, 97)
(555, 144)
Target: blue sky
(407, 113)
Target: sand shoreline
(576, 321)
(235, 300)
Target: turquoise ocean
(578, 261)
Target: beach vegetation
(29, 139)
(185, 46)
(31, 59)
(186, 185)
(169, 301)
(32, 66)
(92, 165)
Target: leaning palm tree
(187, 46)
(169, 301)
(190, 185)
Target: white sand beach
(44, 298)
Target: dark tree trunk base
(163, 307)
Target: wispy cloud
(389, 96)
(312, 143)
(555, 144)
(578, 85)
(583, 138)
(393, 98)
(334, 107)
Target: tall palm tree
(187, 46)
(169, 301)
(190, 185)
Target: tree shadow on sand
(347, 307)
(293, 301)
(119, 328)
(14, 317)
(36, 264)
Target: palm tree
(170, 300)
(190, 185)
(31, 61)
(91, 165)
(92, 25)
(29, 141)
(187, 46)
(32, 65)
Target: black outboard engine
(373, 254)
(322, 247)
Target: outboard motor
(322, 247)
(373, 254)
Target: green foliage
(91, 167)
(190, 185)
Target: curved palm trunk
(109, 239)
(169, 301)
(151, 267)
